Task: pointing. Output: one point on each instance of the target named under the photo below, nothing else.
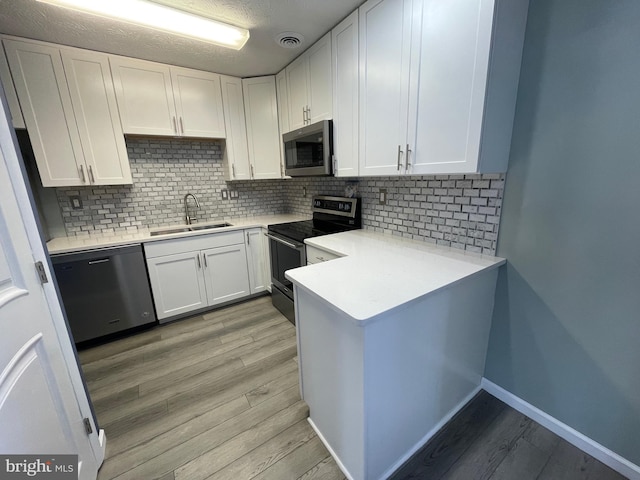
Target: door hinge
(87, 426)
(42, 273)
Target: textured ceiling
(260, 56)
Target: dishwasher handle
(102, 260)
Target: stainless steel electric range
(286, 242)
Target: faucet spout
(187, 217)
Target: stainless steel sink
(191, 228)
(195, 228)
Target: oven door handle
(288, 244)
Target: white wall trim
(333, 454)
(584, 443)
(423, 441)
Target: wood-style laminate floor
(216, 396)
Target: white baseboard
(333, 454)
(421, 443)
(584, 443)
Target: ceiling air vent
(289, 39)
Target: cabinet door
(263, 135)
(258, 277)
(319, 83)
(177, 283)
(345, 96)
(96, 112)
(226, 274)
(10, 92)
(385, 41)
(282, 95)
(297, 77)
(236, 154)
(42, 89)
(454, 59)
(145, 97)
(198, 100)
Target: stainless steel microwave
(309, 150)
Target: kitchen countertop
(88, 242)
(378, 273)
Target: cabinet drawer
(317, 255)
(191, 244)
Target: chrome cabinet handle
(308, 114)
(175, 126)
(91, 177)
(408, 164)
(253, 175)
(199, 265)
(248, 239)
(304, 115)
(204, 259)
(181, 126)
(233, 170)
(399, 157)
(95, 262)
(84, 180)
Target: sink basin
(192, 228)
(195, 228)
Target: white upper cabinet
(282, 95)
(10, 92)
(156, 99)
(309, 85)
(96, 112)
(386, 28)
(198, 103)
(344, 59)
(438, 84)
(70, 113)
(145, 97)
(263, 135)
(236, 153)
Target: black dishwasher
(104, 291)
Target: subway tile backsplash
(462, 211)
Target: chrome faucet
(187, 218)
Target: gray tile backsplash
(462, 211)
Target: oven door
(285, 255)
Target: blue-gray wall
(566, 326)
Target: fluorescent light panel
(159, 17)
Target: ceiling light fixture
(160, 17)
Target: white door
(320, 98)
(258, 278)
(297, 78)
(145, 97)
(385, 55)
(236, 150)
(177, 283)
(40, 410)
(46, 105)
(263, 133)
(96, 113)
(226, 273)
(344, 44)
(198, 101)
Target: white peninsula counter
(392, 340)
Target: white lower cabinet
(177, 283)
(257, 260)
(193, 273)
(225, 273)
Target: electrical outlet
(234, 194)
(382, 196)
(225, 194)
(76, 202)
